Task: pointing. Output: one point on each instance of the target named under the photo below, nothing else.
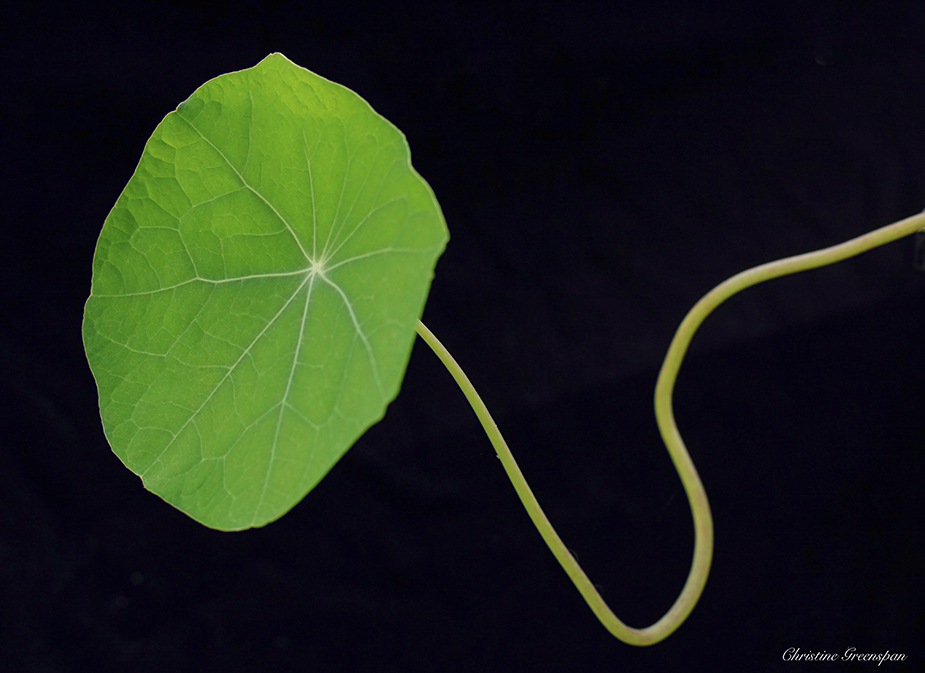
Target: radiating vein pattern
(255, 290)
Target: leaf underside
(255, 291)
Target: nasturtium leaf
(255, 291)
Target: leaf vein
(227, 374)
(251, 187)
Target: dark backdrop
(600, 168)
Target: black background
(600, 167)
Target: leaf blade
(255, 290)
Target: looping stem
(664, 414)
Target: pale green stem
(697, 497)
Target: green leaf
(255, 291)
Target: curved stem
(664, 414)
